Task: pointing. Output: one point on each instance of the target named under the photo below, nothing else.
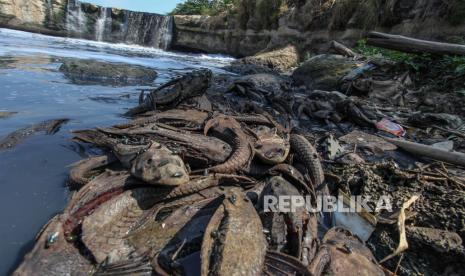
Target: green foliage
(438, 69)
(202, 7)
(264, 13)
(413, 62)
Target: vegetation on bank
(203, 7)
(259, 14)
(443, 71)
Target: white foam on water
(54, 50)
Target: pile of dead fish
(180, 191)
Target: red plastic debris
(390, 127)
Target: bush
(202, 7)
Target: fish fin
(139, 265)
(277, 263)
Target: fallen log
(342, 49)
(452, 157)
(413, 45)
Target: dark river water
(33, 175)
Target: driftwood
(413, 45)
(452, 157)
(342, 49)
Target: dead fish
(104, 231)
(49, 127)
(53, 255)
(172, 93)
(305, 153)
(234, 243)
(159, 237)
(156, 234)
(125, 152)
(270, 147)
(101, 189)
(295, 232)
(81, 171)
(342, 252)
(160, 166)
(229, 130)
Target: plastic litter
(390, 127)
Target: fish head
(160, 167)
(270, 147)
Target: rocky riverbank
(309, 25)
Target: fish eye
(177, 174)
(149, 161)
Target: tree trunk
(412, 45)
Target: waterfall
(75, 19)
(148, 29)
(102, 23)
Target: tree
(191, 7)
(203, 7)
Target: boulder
(280, 60)
(324, 72)
(96, 72)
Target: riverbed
(34, 174)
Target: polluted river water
(33, 174)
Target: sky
(154, 6)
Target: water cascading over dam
(118, 26)
(101, 26)
(148, 29)
(75, 18)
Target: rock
(324, 72)
(280, 60)
(441, 241)
(247, 69)
(440, 119)
(95, 72)
(363, 139)
(6, 114)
